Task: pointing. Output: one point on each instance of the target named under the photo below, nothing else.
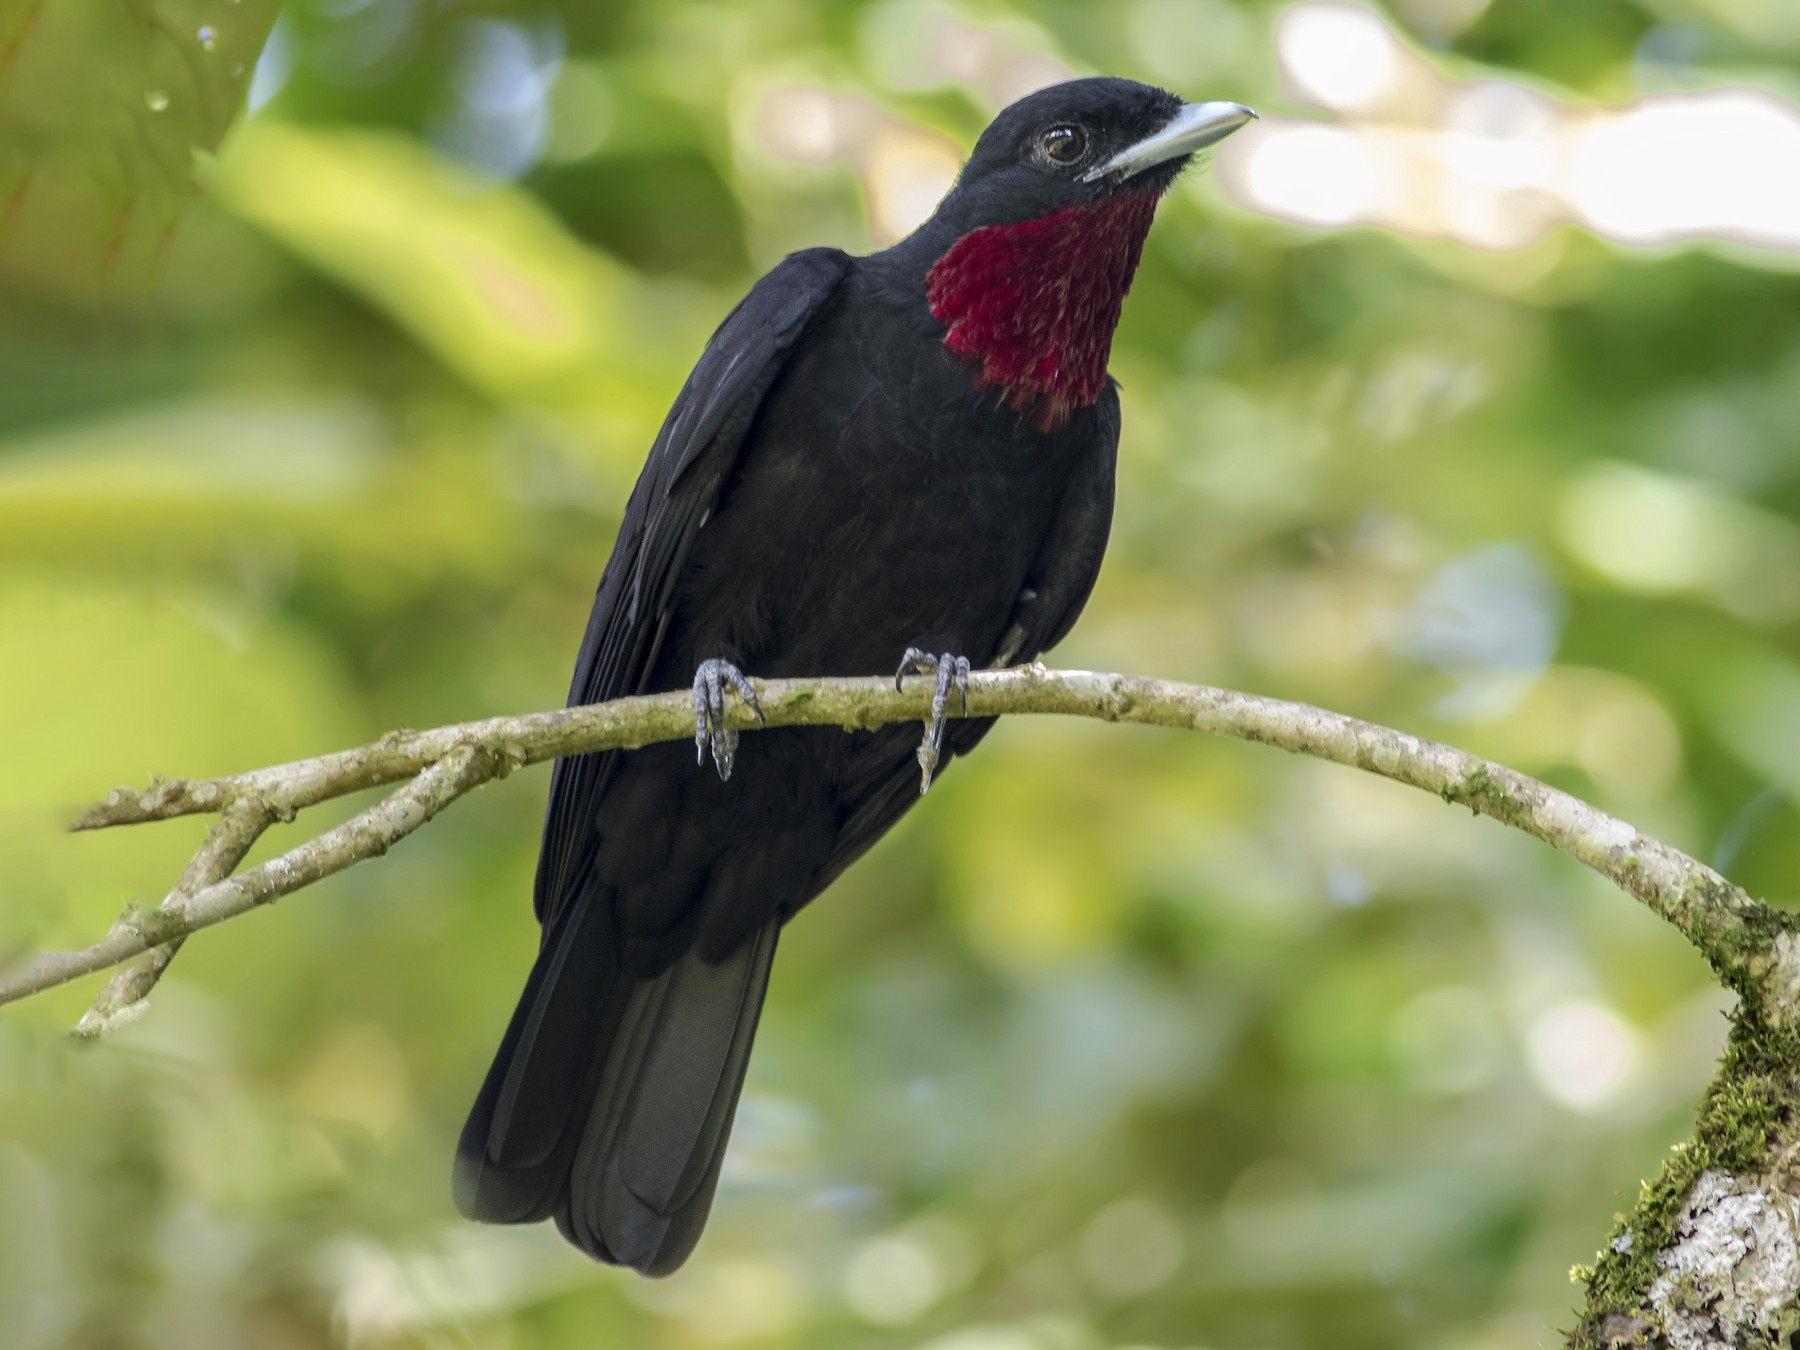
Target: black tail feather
(610, 1100)
(643, 1178)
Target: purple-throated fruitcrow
(906, 457)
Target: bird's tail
(610, 1100)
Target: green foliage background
(1124, 1039)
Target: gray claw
(949, 670)
(709, 713)
(917, 661)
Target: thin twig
(1742, 938)
(366, 835)
(126, 994)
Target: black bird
(901, 457)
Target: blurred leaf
(476, 271)
(103, 106)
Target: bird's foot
(950, 670)
(709, 713)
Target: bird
(898, 463)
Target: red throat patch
(1033, 305)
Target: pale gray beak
(1195, 127)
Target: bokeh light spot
(1581, 1054)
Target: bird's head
(1031, 253)
(1083, 142)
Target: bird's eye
(1064, 144)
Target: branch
(126, 995)
(1731, 929)
(366, 835)
(1746, 1133)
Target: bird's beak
(1195, 127)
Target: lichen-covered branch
(1709, 1257)
(1716, 1224)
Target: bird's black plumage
(830, 488)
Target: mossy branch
(1743, 1151)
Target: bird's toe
(710, 682)
(950, 672)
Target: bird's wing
(692, 455)
(1057, 586)
(1063, 574)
